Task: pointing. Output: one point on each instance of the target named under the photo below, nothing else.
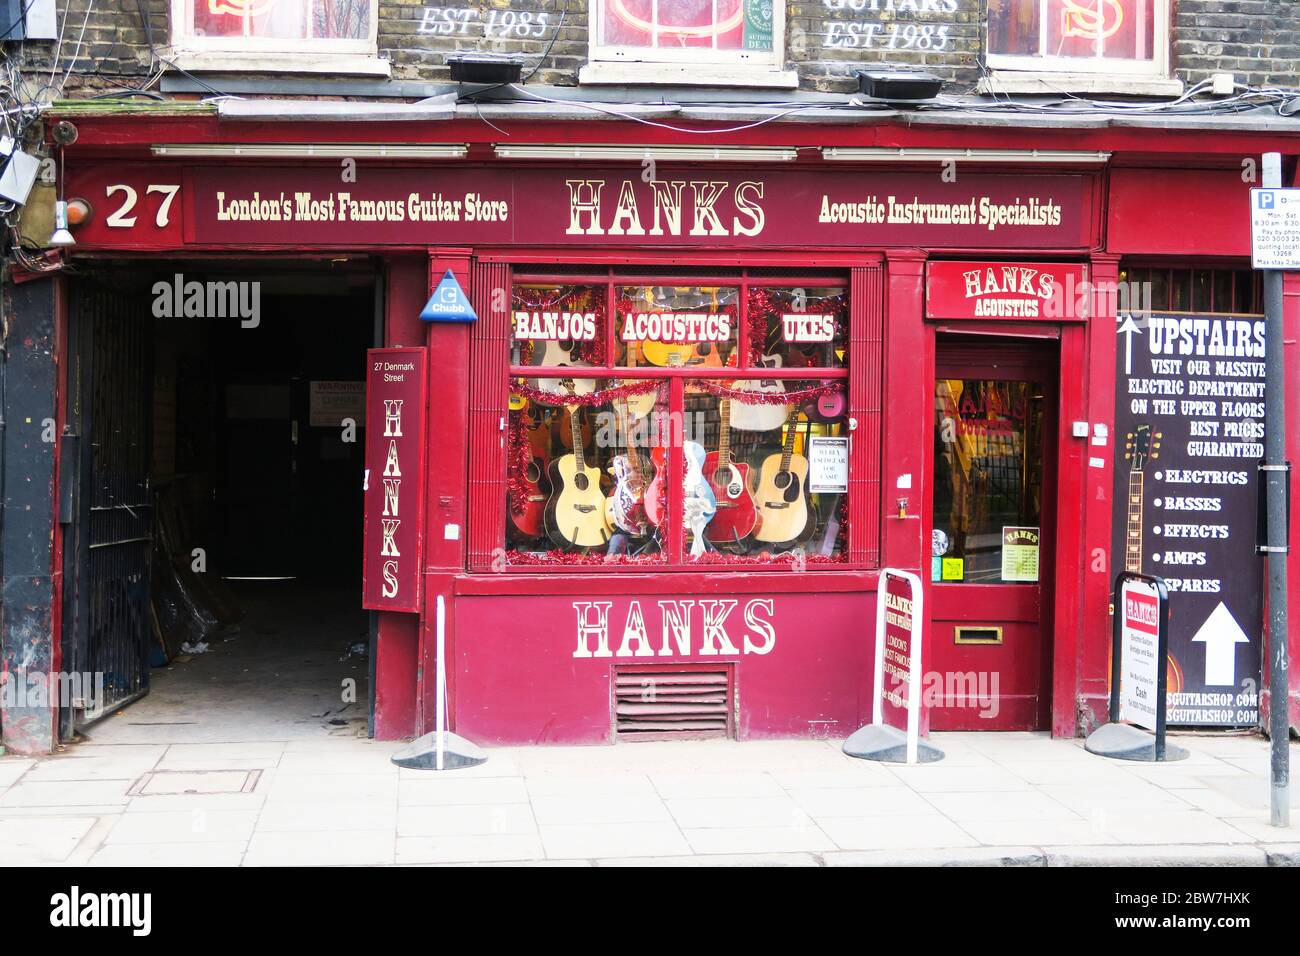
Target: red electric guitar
(653, 499)
(737, 517)
(531, 522)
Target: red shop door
(992, 488)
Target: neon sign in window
(1111, 30)
(283, 19)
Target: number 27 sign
(134, 205)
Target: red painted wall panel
(520, 683)
(397, 663)
(1191, 212)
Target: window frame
(243, 49)
(492, 361)
(1156, 67)
(757, 63)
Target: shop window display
(658, 424)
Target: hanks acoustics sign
(164, 205)
(1190, 420)
(394, 478)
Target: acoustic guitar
(575, 513)
(677, 354)
(626, 502)
(737, 517)
(782, 494)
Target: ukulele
(625, 503)
(737, 516)
(575, 513)
(828, 408)
(782, 494)
(756, 417)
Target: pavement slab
(995, 800)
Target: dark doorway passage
(283, 673)
(255, 459)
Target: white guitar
(756, 417)
(553, 354)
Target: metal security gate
(106, 501)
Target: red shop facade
(701, 402)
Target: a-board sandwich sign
(1137, 618)
(894, 734)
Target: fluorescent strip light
(595, 151)
(854, 154)
(317, 150)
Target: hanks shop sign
(670, 628)
(166, 205)
(1006, 290)
(1189, 417)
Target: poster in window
(1019, 553)
(828, 465)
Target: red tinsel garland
(600, 397)
(518, 457)
(616, 392)
(769, 398)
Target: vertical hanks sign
(394, 480)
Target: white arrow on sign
(1128, 327)
(1220, 634)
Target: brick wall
(1259, 40)
(826, 40)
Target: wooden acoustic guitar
(575, 513)
(677, 354)
(737, 517)
(782, 494)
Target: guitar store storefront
(647, 441)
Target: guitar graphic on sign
(1142, 444)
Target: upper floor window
(672, 40)
(243, 29)
(1079, 36)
